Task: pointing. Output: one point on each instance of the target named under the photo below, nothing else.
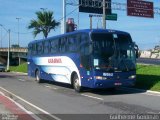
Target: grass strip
(148, 77)
(21, 68)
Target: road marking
(2, 93)
(34, 106)
(151, 94)
(22, 80)
(50, 87)
(146, 92)
(20, 106)
(92, 97)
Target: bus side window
(84, 38)
(77, 42)
(34, 49)
(62, 45)
(46, 46)
(40, 48)
(85, 55)
(71, 44)
(54, 46)
(29, 49)
(66, 44)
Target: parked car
(2, 68)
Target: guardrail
(25, 50)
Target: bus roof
(83, 31)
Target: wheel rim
(76, 84)
(37, 76)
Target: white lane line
(22, 80)
(151, 94)
(140, 90)
(20, 106)
(92, 97)
(50, 87)
(34, 106)
(2, 93)
(144, 92)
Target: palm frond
(45, 22)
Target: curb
(19, 73)
(18, 111)
(142, 90)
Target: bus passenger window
(29, 49)
(85, 55)
(72, 45)
(54, 46)
(46, 47)
(34, 49)
(62, 44)
(40, 48)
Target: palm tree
(44, 23)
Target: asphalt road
(60, 101)
(148, 61)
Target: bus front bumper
(113, 83)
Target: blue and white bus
(85, 58)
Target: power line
(21, 32)
(69, 13)
(4, 35)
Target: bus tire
(76, 85)
(38, 79)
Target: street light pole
(18, 30)
(8, 60)
(104, 14)
(1, 35)
(64, 17)
(9, 39)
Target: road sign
(94, 6)
(140, 8)
(113, 16)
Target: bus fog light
(100, 78)
(132, 77)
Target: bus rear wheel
(76, 85)
(38, 79)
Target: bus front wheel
(76, 85)
(38, 79)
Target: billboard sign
(94, 6)
(140, 8)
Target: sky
(144, 31)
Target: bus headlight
(132, 77)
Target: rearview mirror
(136, 50)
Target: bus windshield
(113, 52)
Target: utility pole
(1, 36)
(64, 17)
(104, 14)
(9, 39)
(8, 60)
(18, 30)
(90, 16)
